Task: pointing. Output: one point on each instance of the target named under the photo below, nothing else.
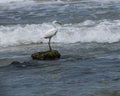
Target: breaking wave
(103, 31)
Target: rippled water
(88, 70)
(88, 40)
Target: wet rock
(23, 64)
(15, 63)
(116, 79)
(46, 55)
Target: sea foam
(88, 31)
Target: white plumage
(50, 33)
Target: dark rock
(46, 55)
(23, 64)
(116, 79)
(15, 63)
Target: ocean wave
(102, 31)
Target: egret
(52, 32)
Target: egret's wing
(50, 33)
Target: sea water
(88, 40)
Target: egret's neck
(54, 26)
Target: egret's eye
(57, 23)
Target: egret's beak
(59, 23)
(56, 23)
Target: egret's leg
(49, 44)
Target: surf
(102, 31)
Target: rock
(15, 63)
(23, 64)
(46, 55)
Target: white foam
(88, 31)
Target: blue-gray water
(88, 40)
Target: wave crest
(88, 31)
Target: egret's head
(56, 23)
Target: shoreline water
(89, 69)
(88, 41)
(79, 51)
(100, 31)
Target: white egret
(50, 33)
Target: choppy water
(88, 40)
